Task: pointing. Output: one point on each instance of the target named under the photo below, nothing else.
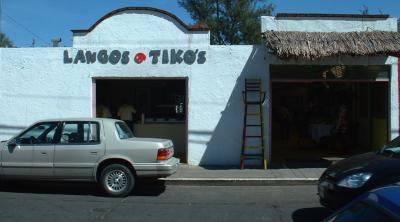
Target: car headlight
(355, 180)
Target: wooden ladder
(253, 98)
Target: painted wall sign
(166, 56)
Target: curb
(240, 181)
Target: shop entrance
(330, 113)
(154, 108)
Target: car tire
(117, 180)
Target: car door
(17, 160)
(43, 153)
(79, 150)
(17, 156)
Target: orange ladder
(253, 98)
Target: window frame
(62, 125)
(55, 138)
(117, 132)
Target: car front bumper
(333, 196)
(159, 169)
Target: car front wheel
(117, 180)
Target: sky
(41, 20)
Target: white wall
(216, 103)
(394, 98)
(139, 27)
(318, 24)
(36, 84)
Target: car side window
(42, 133)
(80, 133)
(123, 130)
(90, 132)
(361, 212)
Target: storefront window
(151, 100)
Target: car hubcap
(116, 180)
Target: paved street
(31, 201)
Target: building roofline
(315, 45)
(110, 14)
(308, 15)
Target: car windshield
(123, 130)
(393, 146)
(40, 133)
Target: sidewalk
(278, 175)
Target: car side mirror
(12, 143)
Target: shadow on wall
(224, 146)
(7, 131)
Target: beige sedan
(93, 149)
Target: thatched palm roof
(313, 45)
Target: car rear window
(123, 130)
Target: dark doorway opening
(157, 107)
(323, 120)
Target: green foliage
(230, 21)
(5, 42)
(365, 10)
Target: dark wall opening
(334, 117)
(158, 107)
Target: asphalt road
(40, 201)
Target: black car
(348, 178)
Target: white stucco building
(188, 90)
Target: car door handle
(43, 152)
(93, 152)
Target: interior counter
(175, 131)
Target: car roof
(78, 119)
(388, 196)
